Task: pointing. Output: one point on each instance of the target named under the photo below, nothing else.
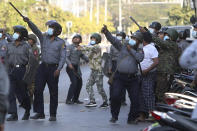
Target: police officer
(53, 59)
(125, 77)
(32, 40)
(113, 61)
(17, 57)
(3, 44)
(73, 56)
(154, 27)
(4, 89)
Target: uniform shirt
(113, 53)
(95, 57)
(35, 51)
(52, 52)
(18, 55)
(3, 47)
(150, 52)
(168, 55)
(127, 61)
(73, 55)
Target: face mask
(1, 35)
(166, 38)
(92, 42)
(151, 30)
(119, 38)
(15, 36)
(132, 42)
(50, 31)
(194, 34)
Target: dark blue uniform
(53, 55)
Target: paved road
(76, 117)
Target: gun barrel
(16, 9)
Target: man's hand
(71, 66)
(104, 29)
(26, 19)
(56, 73)
(142, 29)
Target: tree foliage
(41, 12)
(179, 16)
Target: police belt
(49, 65)
(17, 66)
(127, 74)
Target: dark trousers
(18, 89)
(45, 75)
(131, 84)
(76, 84)
(123, 94)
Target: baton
(16, 10)
(134, 21)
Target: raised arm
(113, 40)
(35, 29)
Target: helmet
(155, 25)
(2, 30)
(32, 37)
(55, 25)
(172, 33)
(195, 25)
(22, 30)
(121, 34)
(97, 36)
(163, 29)
(138, 35)
(78, 36)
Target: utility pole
(120, 16)
(97, 6)
(85, 7)
(91, 9)
(105, 10)
(77, 9)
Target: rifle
(17, 10)
(134, 21)
(137, 23)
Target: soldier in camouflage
(168, 61)
(96, 75)
(32, 40)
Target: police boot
(52, 118)
(26, 115)
(13, 117)
(38, 116)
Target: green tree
(179, 16)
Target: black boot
(26, 115)
(38, 116)
(13, 117)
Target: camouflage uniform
(31, 87)
(96, 75)
(168, 63)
